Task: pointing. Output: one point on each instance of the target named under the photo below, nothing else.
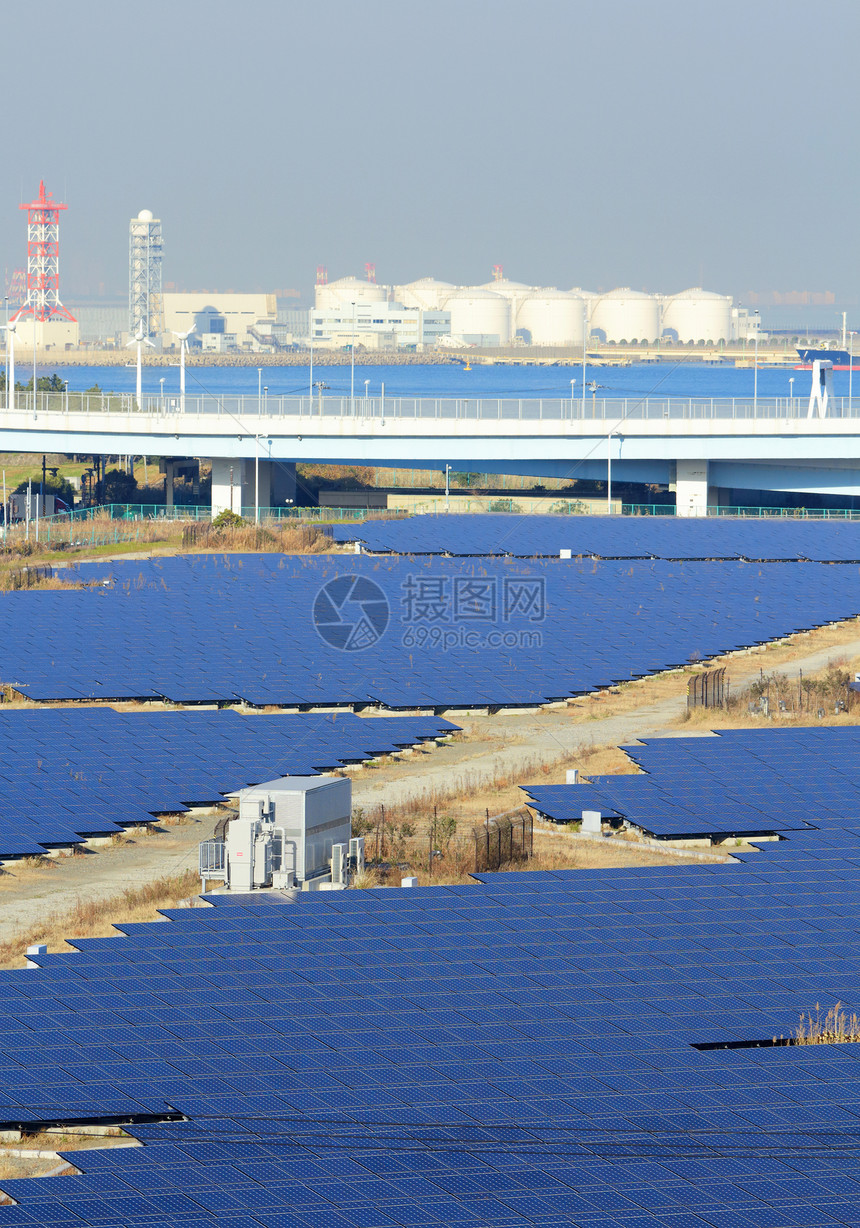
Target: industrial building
(222, 321)
(378, 326)
(504, 312)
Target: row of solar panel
(536, 535)
(95, 771)
(436, 634)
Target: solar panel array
(66, 774)
(515, 1052)
(438, 632)
(739, 782)
(609, 537)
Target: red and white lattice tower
(43, 260)
(322, 275)
(370, 273)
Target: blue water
(641, 380)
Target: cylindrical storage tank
(427, 294)
(348, 290)
(627, 315)
(552, 317)
(479, 316)
(514, 291)
(698, 315)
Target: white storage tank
(627, 315)
(514, 291)
(349, 290)
(427, 294)
(479, 316)
(698, 315)
(551, 317)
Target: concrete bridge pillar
(234, 482)
(691, 488)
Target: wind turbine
(182, 338)
(139, 340)
(10, 327)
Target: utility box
(286, 832)
(44, 505)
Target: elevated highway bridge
(703, 445)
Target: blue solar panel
(94, 771)
(634, 537)
(741, 782)
(519, 1051)
(404, 634)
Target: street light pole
(447, 489)
(257, 480)
(609, 474)
(850, 371)
(755, 367)
(572, 395)
(584, 335)
(259, 390)
(790, 393)
(352, 367)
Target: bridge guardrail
(454, 409)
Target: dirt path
(28, 892)
(512, 744)
(519, 743)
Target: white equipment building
(291, 832)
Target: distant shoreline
(325, 358)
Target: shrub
(227, 520)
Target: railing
(749, 513)
(158, 511)
(454, 409)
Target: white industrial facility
(504, 313)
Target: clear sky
(575, 142)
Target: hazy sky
(575, 142)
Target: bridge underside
(703, 460)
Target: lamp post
(140, 341)
(161, 395)
(755, 367)
(572, 395)
(257, 480)
(447, 489)
(259, 389)
(366, 387)
(10, 366)
(352, 368)
(850, 371)
(609, 474)
(584, 337)
(790, 393)
(183, 345)
(311, 339)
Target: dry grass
(398, 839)
(833, 1028)
(98, 918)
(818, 698)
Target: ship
(842, 360)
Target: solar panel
(92, 772)
(400, 633)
